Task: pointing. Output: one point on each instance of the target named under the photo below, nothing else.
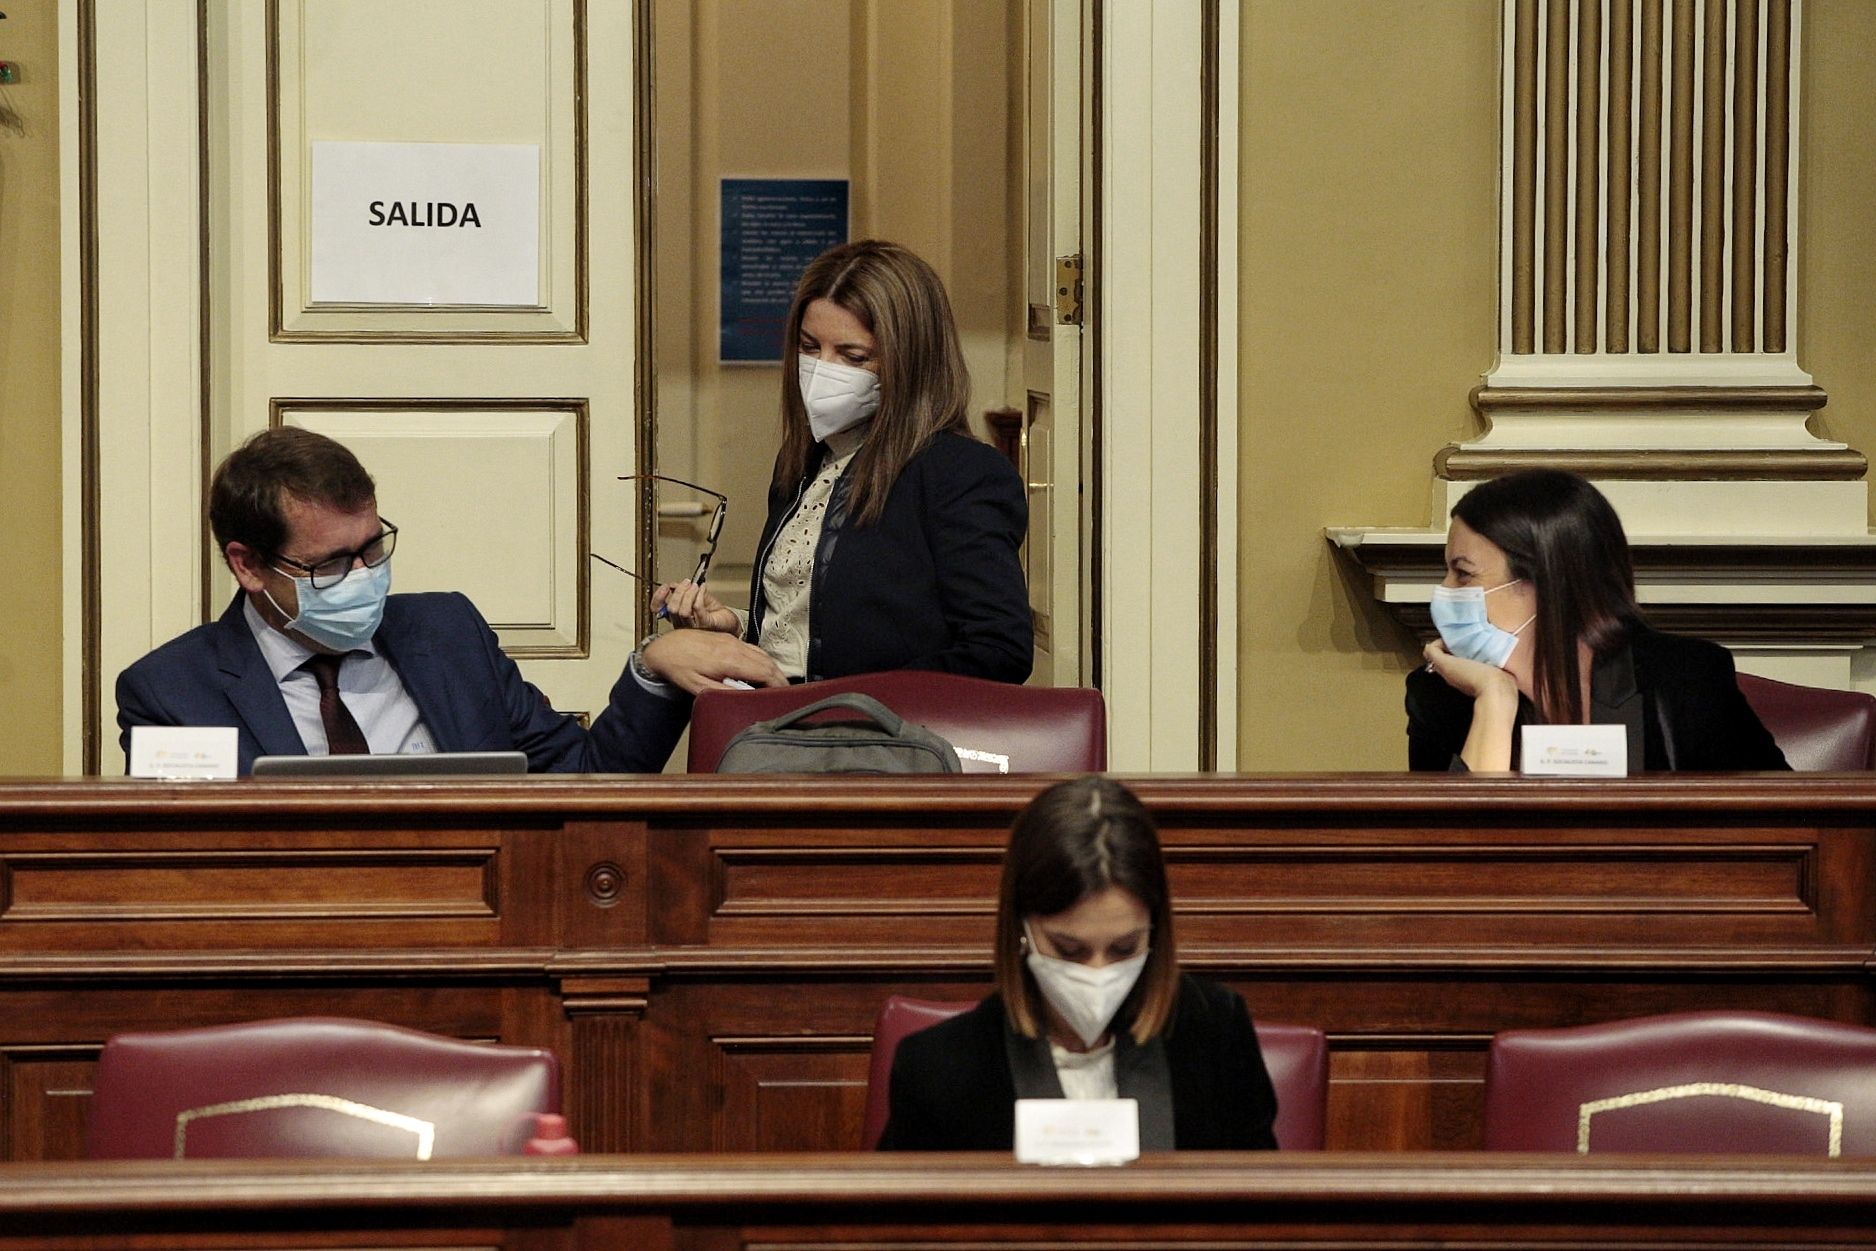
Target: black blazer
(952, 1089)
(1677, 695)
(935, 583)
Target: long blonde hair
(924, 386)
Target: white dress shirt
(1086, 1074)
(368, 685)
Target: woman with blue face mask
(1538, 624)
(893, 534)
(1090, 1002)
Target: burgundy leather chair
(996, 727)
(1818, 729)
(315, 1086)
(1296, 1055)
(1689, 1082)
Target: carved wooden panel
(249, 884)
(47, 1096)
(707, 954)
(788, 1093)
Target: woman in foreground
(1539, 626)
(1090, 1002)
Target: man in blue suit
(315, 656)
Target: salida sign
(432, 213)
(426, 223)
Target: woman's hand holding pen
(689, 604)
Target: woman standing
(893, 535)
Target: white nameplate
(1576, 751)
(184, 751)
(992, 761)
(1077, 1131)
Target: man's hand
(698, 659)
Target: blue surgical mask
(1459, 616)
(344, 615)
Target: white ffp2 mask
(837, 396)
(1086, 997)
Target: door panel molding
(133, 398)
(564, 262)
(535, 594)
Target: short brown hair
(248, 494)
(1076, 839)
(924, 385)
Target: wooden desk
(707, 954)
(831, 1202)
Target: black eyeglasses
(710, 539)
(332, 570)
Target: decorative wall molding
(1648, 296)
(1647, 253)
(1796, 592)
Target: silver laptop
(433, 764)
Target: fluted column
(1648, 276)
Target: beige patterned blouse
(787, 578)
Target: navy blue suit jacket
(470, 693)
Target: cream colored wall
(1368, 212)
(1368, 229)
(30, 686)
(907, 98)
(1837, 217)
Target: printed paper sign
(427, 223)
(772, 228)
(1077, 1131)
(184, 751)
(1581, 751)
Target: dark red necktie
(343, 737)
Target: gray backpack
(882, 743)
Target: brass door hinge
(1068, 290)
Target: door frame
(1160, 367)
(1164, 379)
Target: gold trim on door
(1208, 387)
(91, 696)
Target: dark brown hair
(924, 386)
(1074, 840)
(1558, 532)
(247, 498)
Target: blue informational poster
(772, 228)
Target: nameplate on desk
(1575, 751)
(1077, 1131)
(178, 752)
